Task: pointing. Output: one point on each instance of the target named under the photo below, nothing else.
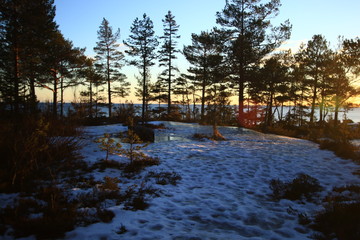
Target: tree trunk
(203, 101)
(241, 119)
(16, 79)
(169, 80)
(144, 92)
(109, 85)
(32, 96)
(55, 90)
(336, 110)
(90, 100)
(314, 98)
(62, 97)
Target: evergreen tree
(25, 27)
(62, 61)
(158, 93)
(94, 79)
(271, 77)
(344, 71)
(299, 89)
(110, 60)
(351, 55)
(315, 56)
(205, 56)
(167, 53)
(142, 43)
(252, 37)
(182, 88)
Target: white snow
(224, 191)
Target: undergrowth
(340, 217)
(301, 187)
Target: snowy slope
(224, 191)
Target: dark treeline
(239, 57)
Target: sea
(349, 114)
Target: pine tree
(109, 145)
(168, 53)
(271, 76)
(251, 38)
(26, 27)
(110, 60)
(94, 79)
(314, 57)
(183, 88)
(142, 43)
(344, 71)
(62, 61)
(158, 93)
(205, 56)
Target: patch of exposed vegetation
(301, 187)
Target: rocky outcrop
(145, 134)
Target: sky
(79, 21)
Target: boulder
(145, 134)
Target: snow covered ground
(224, 191)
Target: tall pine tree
(142, 43)
(110, 60)
(252, 37)
(315, 57)
(205, 56)
(168, 53)
(26, 27)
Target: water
(353, 113)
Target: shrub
(339, 220)
(105, 215)
(136, 199)
(103, 164)
(140, 163)
(50, 218)
(341, 217)
(302, 186)
(31, 152)
(108, 145)
(342, 149)
(110, 184)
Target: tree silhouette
(25, 27)
(205, 55)
(314, 57)
(142, 43)
(251, 38)
(167, 53)
(110, 60)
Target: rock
(145, 134)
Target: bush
(103, 164)
(105, 215)
(140, 163)
(339, 220)
(31, 152)
(342, 149)
(49, 218)
(136, 199)
(300, 187)
(110, 184)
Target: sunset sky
(79, 21)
